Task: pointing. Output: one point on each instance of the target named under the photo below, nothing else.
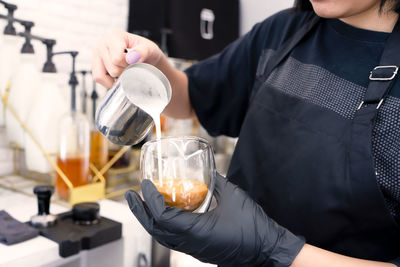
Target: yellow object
(94, 191)
(90, 192)
(4, 99)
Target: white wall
(75, 24)
(78, 24)
(253, 11)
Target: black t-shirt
(330, 68)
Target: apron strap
(288, 45)
(383, 77)
(363, 177)
(284, 51)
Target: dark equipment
(79, 229)
(186, 29)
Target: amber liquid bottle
(123, 161)
(98, 151)
(74, 151)
(77, 171)
(74, 141)
(98, 143)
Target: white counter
(41, 251)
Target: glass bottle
(74, 145)
(98, 143)
(98, 150)
(123, 161)
(74, 153)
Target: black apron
(312, 170)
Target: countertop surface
(41, 251)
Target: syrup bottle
(98, 143)
(74, 142)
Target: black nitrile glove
(236, 233)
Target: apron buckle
(379, 73)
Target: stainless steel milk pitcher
(118, 118)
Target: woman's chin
(326, 10)
(343, 8)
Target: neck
(373, 19)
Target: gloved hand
(236, 233)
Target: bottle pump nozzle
(83, 93)
(9, 29)
(27, 47)
(94, 97)
(49, 66)
(73, 81)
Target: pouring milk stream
(151, 96)
(125, 115)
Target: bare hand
(110, 57)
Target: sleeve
(220, 86)
(396, 262)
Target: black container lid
(86, 213)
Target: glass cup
(182, 169)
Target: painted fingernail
(132, 57)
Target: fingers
(144, 216)
(99, 72)
(140, 210)
(112, 69)
(110, 57)
(148, 51)
(170, 218)
(153, 198)
(139, 53)
(132, 57)
(117, 44)
(220, 183)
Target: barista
(314, 180)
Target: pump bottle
(9, 54)
(46, 112)
(74, 141)
(23, 89)
(98, 143)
